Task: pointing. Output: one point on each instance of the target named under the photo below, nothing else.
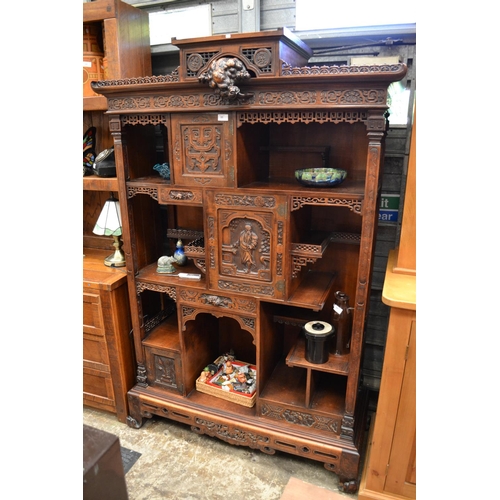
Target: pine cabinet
(234, 122)
(390, 470)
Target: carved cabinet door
(245, 240)
(203, 149)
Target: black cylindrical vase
(318, 335)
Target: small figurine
(165, 265)
(204, 375)
(179, 254)
(228, 368)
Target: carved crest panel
(203, 150)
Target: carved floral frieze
(279, 98)
(301, 418)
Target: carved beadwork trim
(172, 77)
(372, 70)
(301, 117)
(299, 201)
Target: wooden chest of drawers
(108, 363)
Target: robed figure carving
(247, 242)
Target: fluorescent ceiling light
(328, 14)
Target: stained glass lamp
(109, 223)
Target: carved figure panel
(246, 245)
(165, 371)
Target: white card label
(337, 308)
(223, 117)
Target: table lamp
(109, 223)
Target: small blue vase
(179, 254)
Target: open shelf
(351, 189)
(165, 335)
(96, 183)
(335, 364)
(149, 275)
(313, 290)
(287, 386)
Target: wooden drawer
(180, 196)
(98, 389)
(92, 314)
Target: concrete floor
(178, 464)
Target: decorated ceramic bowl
(320, 177)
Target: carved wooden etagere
(234, 122)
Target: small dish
(320, 177)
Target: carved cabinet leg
(348, 485)
(134, 420)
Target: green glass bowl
(320, 177)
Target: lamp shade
(109, 222)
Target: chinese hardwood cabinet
(234, 122)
